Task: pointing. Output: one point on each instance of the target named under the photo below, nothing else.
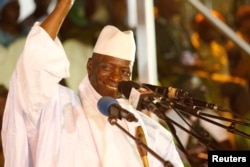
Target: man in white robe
(48, 125)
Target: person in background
(40, 12)
(239, 66)
(177, 57)
(173, 45)
(212, 55)
(81, 24)
(10, 28)
(78, 35)
(238, 59)
(228, 90)
(117, 13)
(232, 91)
(12, 36)
(46, 124)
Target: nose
(115, 75)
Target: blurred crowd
(196, 57)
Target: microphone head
(104, 104)
(124, 87)
(135, 93)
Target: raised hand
(53, 22)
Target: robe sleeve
(42, 64)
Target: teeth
(111, 87)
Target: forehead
(99, 58)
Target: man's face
(105, 72)
(10, 12)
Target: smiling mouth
(111, 87)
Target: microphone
(179, 94)
(110, 107)
(139, 97)
(167, 92)
(197, 103)
(135, 93)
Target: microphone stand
(225, 119)
(150, 106)
(113, 121)
(201, 140)
(196, 111)
(157, 109)
(173, 131)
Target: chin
(115, 95)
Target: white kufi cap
(116, 43)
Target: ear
(89, 65)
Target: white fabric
(116, 43)
(48, 125)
